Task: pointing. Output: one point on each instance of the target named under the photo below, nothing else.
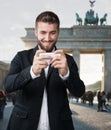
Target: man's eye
(53, 32)
(43, 32)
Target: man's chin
(48, 49)
(45, 48)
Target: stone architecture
(4, 67)
(82, 39)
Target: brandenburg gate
(83, 39)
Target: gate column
(76, 56)
(107, 71)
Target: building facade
(4, 68)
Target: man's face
(47, 35)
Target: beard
(47, 49)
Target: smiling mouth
(47, 41)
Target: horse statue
(90, 18)
(78, 19)
(103, 19)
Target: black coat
(26, 112)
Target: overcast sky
(15, 15)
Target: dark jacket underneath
(26, 112)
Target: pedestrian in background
(103, 98)
(99, 99)
(2, 103)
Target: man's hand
(60, 62)
(39, 62)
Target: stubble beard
(46, 49)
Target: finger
(38, 52)
(56, 64)
(59, 51)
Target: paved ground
(84, 117)
(7, 112)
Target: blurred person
(2, 103)
(99, 99)
(41, 81)
(103, 98)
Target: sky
(91, 69)
(15, 15)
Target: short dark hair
(48, 17)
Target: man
(41, 77)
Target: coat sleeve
(17, 76)
(74, 84)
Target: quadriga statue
(90, 19)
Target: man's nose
(47, 37)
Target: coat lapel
(32, 54)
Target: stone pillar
(107, 71)
(76, 56)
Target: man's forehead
(46, 26)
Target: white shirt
(44, 119)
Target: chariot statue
(90, 18)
